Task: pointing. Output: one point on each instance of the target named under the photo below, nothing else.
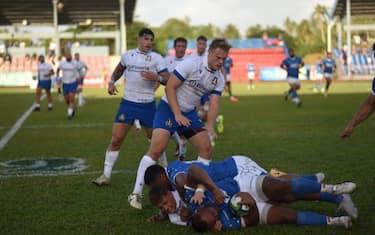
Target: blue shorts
(129, 111)
(80, 81)
(69, 88)
(164, 118)
(44, 84)
(204, 99)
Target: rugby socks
(146, 161)
(163, 161)
(301, 186)
(203, 160)
(49, 105)
(329, 197)
(318, 177)
(109, 162)
(70, 111)
(80, 99)
(310, 218)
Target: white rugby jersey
(69, 71)
(171, 61)
(44, 69)
(197, 80)
(138, 89)
(82, 68)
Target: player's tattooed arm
(117, 73)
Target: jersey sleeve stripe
(178, 75)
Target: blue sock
(329, 197)
(310, 218)
(310, 177)
(301, 186)
(294, 94)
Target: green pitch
(37, 196)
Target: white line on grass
(124, 171)
(17, 126)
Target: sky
(241, 13)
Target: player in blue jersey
(292, 64)
(328, 66)
(366, 109)
(221, 217)
(45, 71)
(239, 173)
(191, 79)
(140, 67)
(227, 66)
(260, 211)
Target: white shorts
(327, 75)
(228, 78)
(292, 80)
(263, 209)
(247, 167)
(251, 75)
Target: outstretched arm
(363, 113)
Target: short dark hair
(202, 37)
(220, 43)
(179, 39)
(156, 193)
(146, 31)
(153, 172)
(198, 224)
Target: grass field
(273, 132)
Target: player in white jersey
(140, 67)
(172, 61)
(69, 80)
(366, 109)
(190, 81)
(45, 71)
(82, 69)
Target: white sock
(203, 160)
(37, 105)
(80, 98)
(109, 162)
(70, 111)
(163, 161)
(49, 105)
(143, 165)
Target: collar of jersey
(141, 52)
